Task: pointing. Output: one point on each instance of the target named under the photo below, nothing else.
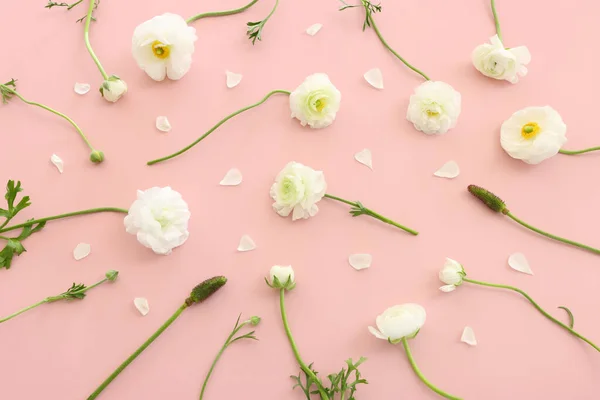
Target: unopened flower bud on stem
(488, 198)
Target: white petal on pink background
(374, 77)
(163, 124)
(58, 162)
(449, 170)
(314, 29)
(468, 336)
(81, 88)
(360, 261)
(518, 262)
(81, 251)
(233, 79)
(141, 303)
(246, 244)
(364, 157)
(233, 177)
(448, 288)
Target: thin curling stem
(496, 21)
(221, 13)
(575, 152)
(86, 36)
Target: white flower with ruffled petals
(315, 102)
(113, 89)
(434, 108)
(163, 46)
(401, 321)
(495, 61)
(159, 218)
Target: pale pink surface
(63, 351)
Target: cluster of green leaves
(255, 30)
(14, 246)
(52, 4)
(76, 291)
(369, 7)
(344, 383)
(6, 90)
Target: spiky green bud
(205, 289)
(112, 275)
(489, 199)
(255, 320)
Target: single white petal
(233, 177)
(313, 29)
(448, 288)
(360, 261)
(246, 244)
(449, 170)
(233, 79)
(375, 78)
(142, 305)
(82, 250)
(468, 336)
(518, 262)
(58, 162)
(376, 333)
(364, 157)
(81, 88)
(163, 124)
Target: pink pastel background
(64, 350)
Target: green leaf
(8, 252)
(571, 317)
(28, 230)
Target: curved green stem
(221, 122)
(264, 21)
(143, 347)
(496, 21)
(23, 310)
(86, 36)
(4, 238)
(574, 152)
(376, 29)
(221, 13)
(415, 368)
(71, 214)
(301, 363)
(551, 236)
(537, 307)
(359, 209)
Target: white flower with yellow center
(434, 108)
(315, 102)
(495, 61)
(533, 134)
(163, 46)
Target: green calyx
(494, 202)
(205, 289)
(97, 156)
(112, 275)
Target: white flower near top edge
(434, 107)
(282, 277)
(159, 218)
(452, 274)
(315, 102)
(399, 321)
(495, 61)
(163, 46)
(533, 134)
(297, 190)
(113, 89)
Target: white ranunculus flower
(434, 107)
(113, 88)
(159, 218)
(399, 321)
(282, 277)
(315, 102)
(533, 134)
(296, 190)
(495, 61)
(163, 46)
(452, 272)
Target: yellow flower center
(320, 104)
(160, 49)
(431, 113)
(530, 130)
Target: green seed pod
(205, 289)
(490, 199)
(96, 157)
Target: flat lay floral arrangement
(325, 200)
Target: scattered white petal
(518, 262)
(246, 244)
(313, 29)
(360, 261)
(364, 157)
(81, 88)
(448, 288)
(82, 250)
(58, 162)
(468, 336)
(163, 124)
(233, 79)
(375, 78)
(449, 170)
(142, 305)
(233, 177)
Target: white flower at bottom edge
(533, 134)
(494, 61)
(113, 88)
(434, 108)
(159, 218)
(296, 190)
(451, 274)
(163, 46)
(399, 321)
(282, 277)
(316, 101)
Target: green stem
(415, 368)
(264, 21)
(92, 286)
(23, 310)
(4, 238)
(537, 307)
(86, 36)
(71, 214)
(496, 22)
(372, 213)
(221, 13)
(221, 122)
(374, 25)
(301, 363)
(574, 152)
(137, 352)
(74, 4)
(551, 236)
